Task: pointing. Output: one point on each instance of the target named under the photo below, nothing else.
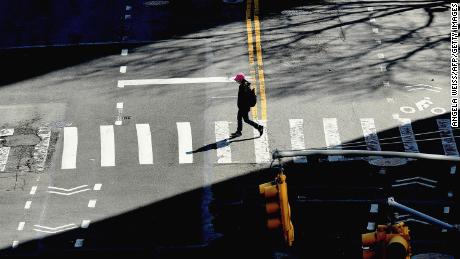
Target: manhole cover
(388, 161)
(21, 140)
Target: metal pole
(393, 203)
(277, 154)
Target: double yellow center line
(260, 71)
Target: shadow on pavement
(330, 203)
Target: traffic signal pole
(434, 221)
(278, 154)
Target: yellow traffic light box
(277, 207)
(389, 242)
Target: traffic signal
(277, 207)
(387, 242)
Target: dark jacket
(244, 92)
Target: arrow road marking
(416, 178)
(67, 190)
(71, 193)
(412, 183)
(431, 88)
(54, 230)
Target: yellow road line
(251, 52)
(263, 101)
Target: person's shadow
(219, 144)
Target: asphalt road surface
(116, 115)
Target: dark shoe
(261, 129)
(236, 134)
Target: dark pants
(243, 114)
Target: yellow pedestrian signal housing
(277, 207)
(387, 242)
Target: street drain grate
(20, 140)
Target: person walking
(245, 94)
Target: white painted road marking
(374, 208)
(370, 226)
(41, 149)
(297, 138)
(128, 8)
(85, 223)
(370, 9)
(69, 152)
(370, 134)
(119, 120)
(21, 225)
(15, 244)
(373, 20)
(6, 132)
(262, 151)
(447, 138)
(70, 193)
(52, 230)
(261, 148)
(167, 81)
(33, 190)
(184, 132)
(78, 243)
(67, 190)
(107, 146)
(375, 30)
(407, 135)
(123, 69)
(4, 151)
(56, 228)
(381, 55)
(92, 203)
(97, 187)
(332, 137)
(144, 142)
(124, 52)
(224, 152)
(27, 205)
(446, 210)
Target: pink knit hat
(239, 77)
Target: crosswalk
(222, 148)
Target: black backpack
(252, 98)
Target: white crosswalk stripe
(297, 138)
(224, 152)
(69, 151)
(370, 134)
(184, 133)
(262, 151)
(41, 149)
(4, 151)
(107, 145)
(447, 137)
(332, 136)
(407, 135)
(144, 142)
